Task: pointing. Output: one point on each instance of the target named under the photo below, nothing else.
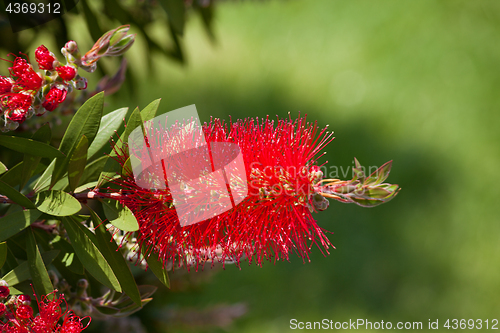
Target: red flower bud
(25, 75)
(3, 308)
(24, 299)
(4, 291)
(17, 105)
(5, 85)
(24, 312)
(18, 116)
(67, 73)
(45, 58)
(55, 96)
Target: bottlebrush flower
(273, 220)
(44, 58)
(19, 318)
(55, 96)
(25, 76)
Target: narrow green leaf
(43, 182)
(157, 267)
(379, 175)
(135, 120)
(57, 203)
(3, 168)
(15, 195)
(109, 124)
(77, 163)
(68, 256)
(111, 168)
(86, 121)
(38, 272)
(85, 187)
(22, 272)
(14, 174)
(93, 170)
(29, 146)
(92, 23)
(85, 244)
(116, 260)
(15, 222)
(3, 253)
(376, 193)
(176, 14)
(10, 262)
(120, 216)
(30, 162)
(149, 112)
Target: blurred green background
(412, 81)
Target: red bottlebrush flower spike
(25, 75)
(44, 58)
(51, 318)
(67, 73)
(270, 222)
(55, 96)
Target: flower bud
(56, 95)
(71, 46)
(3, 308)
(24, 299)
(5, 85)
(44, 58)
(80, 83)
(24, 311)
(67, 73)
(4, 292)
(113, 43)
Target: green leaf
(57, 203)
(29, 146)
(376, 193)
(86, 122)
(30, 162)
(119, 215)
(115, 259)
(22, 272)
(91, 20)
(3, 168)
(77, 163)
(15, 195)
(43, 182)
(367, 202)
(93, 170)
(379, 175)
(176, 14)
(85, 244)
(149, 112)
(14, 174)
(3, 253)
(110, 123)
(157, 267)
(111, 168)
(135, 120)
(15, 222)
(38, 272)
(69, 258)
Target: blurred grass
(416, 82)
